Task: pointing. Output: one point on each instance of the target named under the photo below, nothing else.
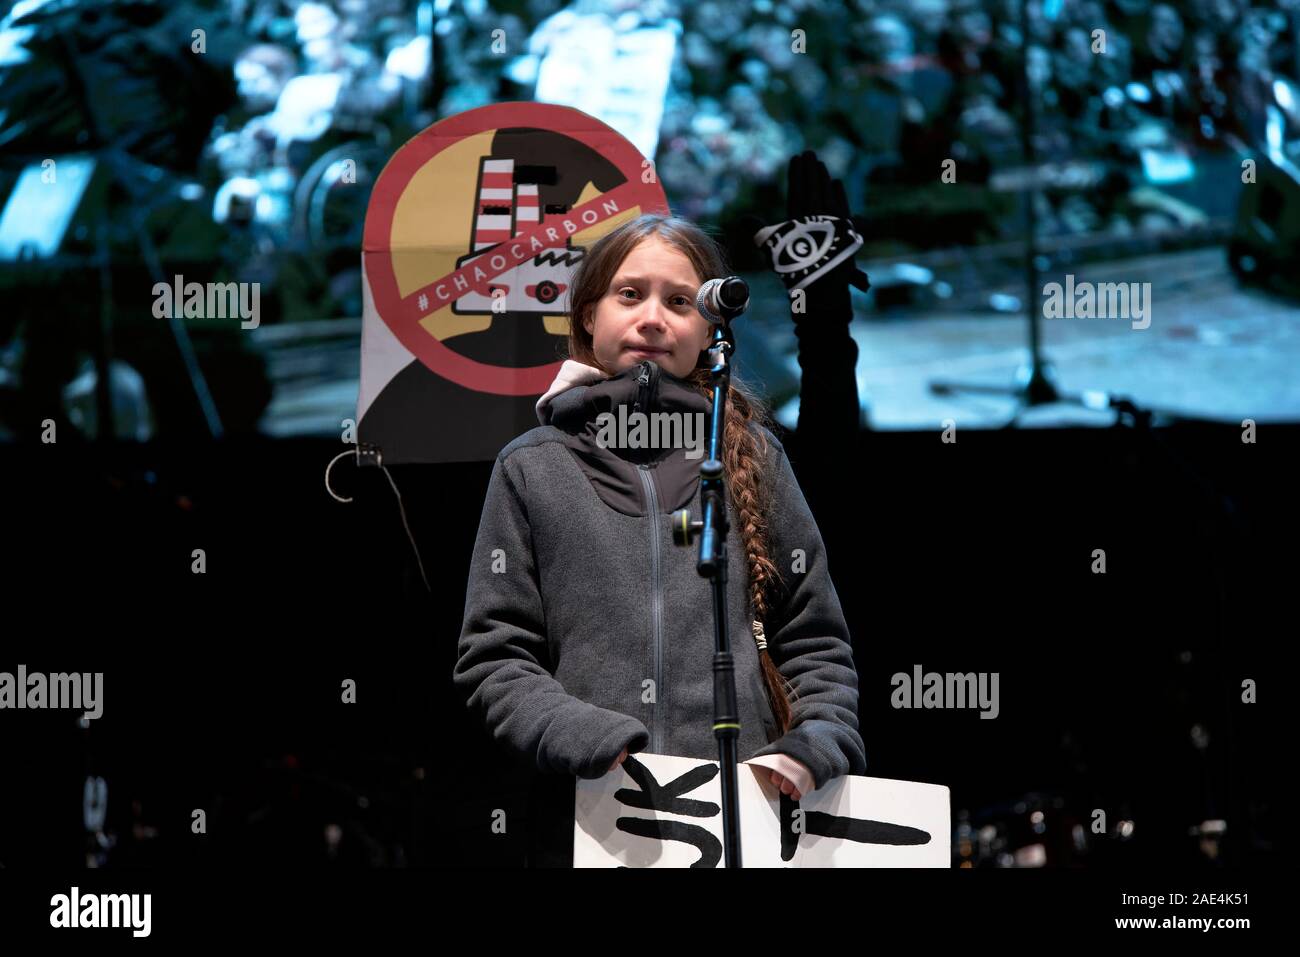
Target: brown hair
(744, 445)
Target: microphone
(721, 300)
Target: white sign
(662, 811)
(616, 74)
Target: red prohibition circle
(401, 314)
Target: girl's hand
(793, 777)
(619, 760)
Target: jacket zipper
(656, 614)
(643, 389)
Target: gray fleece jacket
(587, 630)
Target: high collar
(643, 387)
(572, 373)
(614, 472)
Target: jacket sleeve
(502, 644)
(808, 640)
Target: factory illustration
(504, 208)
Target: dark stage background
(222, 690)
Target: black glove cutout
(818, 236)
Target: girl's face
(648, 312)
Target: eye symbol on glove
(802, 246)
(804, 249)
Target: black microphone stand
(712, 531)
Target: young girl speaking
(588, 635)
